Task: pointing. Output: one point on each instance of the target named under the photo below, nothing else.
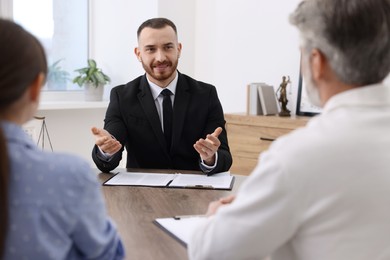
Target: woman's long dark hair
(21, 60)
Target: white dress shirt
(158, 97)
(321, 192)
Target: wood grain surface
(134, 209)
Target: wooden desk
(134, 208)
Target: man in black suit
(193, 139)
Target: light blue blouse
(56, 209)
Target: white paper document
(175, 180)
(180, 228)
(217, 181)
(140, 179)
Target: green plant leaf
(100, 77)
(82, 71)
(57, 75)
(92, 63)
(94, 80)
(91, 74)
(106, 78)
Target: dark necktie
(167, 116)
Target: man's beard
(161, 76)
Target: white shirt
(158, 97)
(321, 192)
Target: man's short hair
(156, 23)
(354, 36)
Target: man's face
(159, 51)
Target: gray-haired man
(321, 192)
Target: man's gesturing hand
(209, 146)
(105, 141)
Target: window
(62, 28)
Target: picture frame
(304, 107)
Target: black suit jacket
(133, 120)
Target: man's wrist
(207, 167)
(103, 155)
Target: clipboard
(180, 227)
(219, 181)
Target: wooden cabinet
(248, 136)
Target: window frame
(6, 11)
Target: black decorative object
(42, 133)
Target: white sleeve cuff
(209, 168)
(106, 156)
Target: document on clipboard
(219, 181)
(180, 227)
(123, 178)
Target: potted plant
(93, 79)
(57, 77)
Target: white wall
(239, 42)
(70, 129)
(113, 36)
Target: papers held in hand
(222, 181)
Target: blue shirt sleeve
(95, 235)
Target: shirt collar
(15, 134)
(156, 90)
(371, 95)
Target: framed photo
(304, 107)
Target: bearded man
(165, 119)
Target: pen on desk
(200, 186)
(267, 139)
(187, 216)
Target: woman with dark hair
(50, 204)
